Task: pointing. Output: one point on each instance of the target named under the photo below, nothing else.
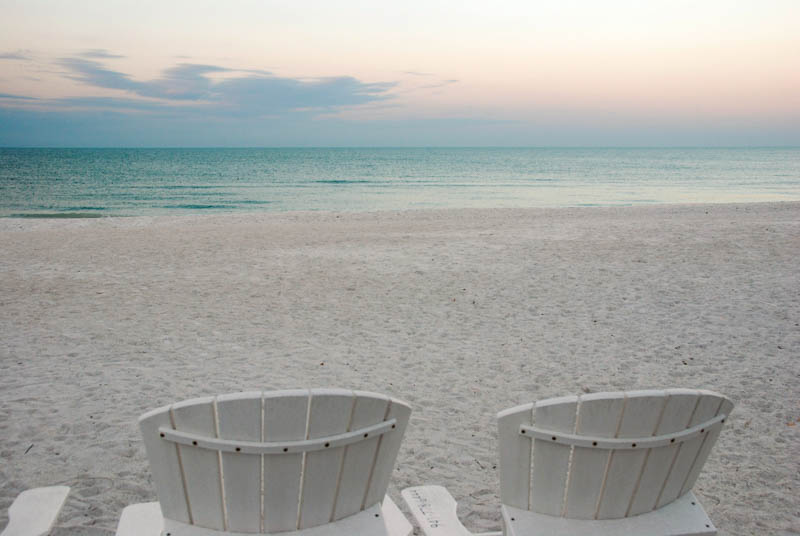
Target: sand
(461, 313)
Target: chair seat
(145, 519)
(368, 522)
(682, 517)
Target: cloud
(99, 53)
(417, 73)
(93, 73)
(16, 97)
(114, 104)
(263, 94)
(432, 85)
(239, 92)
(16, 55)
(182, 82)
(443, 83)
(185, 81)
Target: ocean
(132, 182)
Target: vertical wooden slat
(369, 409)
(388, 447)
(515, 456)
(329, 414)
(239, 418)
(707, 407)
(285, 415)
(676, 416)
(724, 409)
(640, 419)
(201, 467)
(164, 465)
(551, 461)
(599, 415)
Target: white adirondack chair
(602, 464)
(34, 511)
(303, 462)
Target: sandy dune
(461, 313)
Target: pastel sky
(411, 73)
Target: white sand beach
(462, 313)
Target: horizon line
(175, 147)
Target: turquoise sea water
(129, 182)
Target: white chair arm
(434, 509)
(34, 511)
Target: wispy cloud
(114, 104)
(99, 53)
(431, 84)
(16, 55)
(443, 83)
(16, 97)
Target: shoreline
(461, 312)
(241, 213)
(11, 223)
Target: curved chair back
(266, 462)
(607, 455)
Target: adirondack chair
(603, 464)
(303, 462)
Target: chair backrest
(265, 462)
(607, 455)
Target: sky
(182, 73)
